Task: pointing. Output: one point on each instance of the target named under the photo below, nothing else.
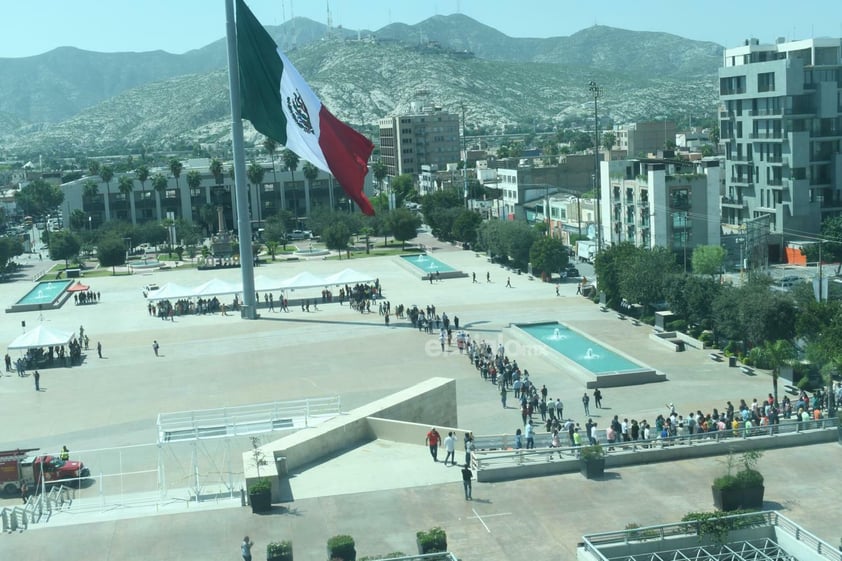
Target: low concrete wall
(411, 433)
(667, 339)
(429, 403)
(657, 454)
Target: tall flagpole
(249, 310)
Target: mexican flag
(280, 105)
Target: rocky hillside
(106, 102)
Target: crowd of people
(537, 410)
(85, 297)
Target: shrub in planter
(432, 541)
(260, 495)
(341, 547)
(279, 551)
(726, 493)
(751, 481)
(592, 461)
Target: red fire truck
(21, 465)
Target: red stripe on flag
(346, 152)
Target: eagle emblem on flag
(300, 114)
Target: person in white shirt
(450, 448)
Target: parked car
(300, 235)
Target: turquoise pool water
(582, 350)
(45, 292)
(427, 264)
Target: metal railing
(493, 451)
(661, 532)
(244, 420)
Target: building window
(766, 82)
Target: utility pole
(596, 91)
(464, 157)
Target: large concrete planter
(261, 501)
(752, 497)
(592, 468)
(726, 499)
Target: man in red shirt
(433, 439)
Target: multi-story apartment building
(423, 136)
(665, 203)
(279, 190)
(781, 127)
(639, 140)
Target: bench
(792, 389)
(635, 322)
(603, 308)
(621, 316)
(716, 357)
(747, 370)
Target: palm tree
(777, 354)
(106, 173)
(255, 173)
(217, 170)
(311, 172)
(175, 169)
(126, 186)
(159, 184)
(271, 147)
(380, 172)
(291, 160)
(142, 174)
(90, 191)
(194, 181)
(93, 167)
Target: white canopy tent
(216, 287)
(40, 337)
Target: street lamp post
(596, 91)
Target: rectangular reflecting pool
(43, 296)
(423, 266)
(579, 354)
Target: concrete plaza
(380, 493)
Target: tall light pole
(596, 91)
(464, 157)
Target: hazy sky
(30, 27)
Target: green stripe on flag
(260, 76)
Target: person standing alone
(432, 440)
(37, 381)
(467, 475)
(155, 346)
(450, 448)
(245, 548)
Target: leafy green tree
(403, 225)
(311, 172)
(831, 250)
(64, 245)
(336, 236)
(708, 259)
(465, 226)
(440, 209)
(291, 161)
(610, 265)
(609, 139)
(691, 298)
(547, 255)
(404, 189)
(10, 247)
(111, 252)
(519, 238)
(255, 173)
(272, 248)
(639, 285)
(93, 167)
(142, 175)
(78, 220)
(275, 228)
(38, 198)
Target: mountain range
(71, 102)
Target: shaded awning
(42, 336)
(78, 287)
